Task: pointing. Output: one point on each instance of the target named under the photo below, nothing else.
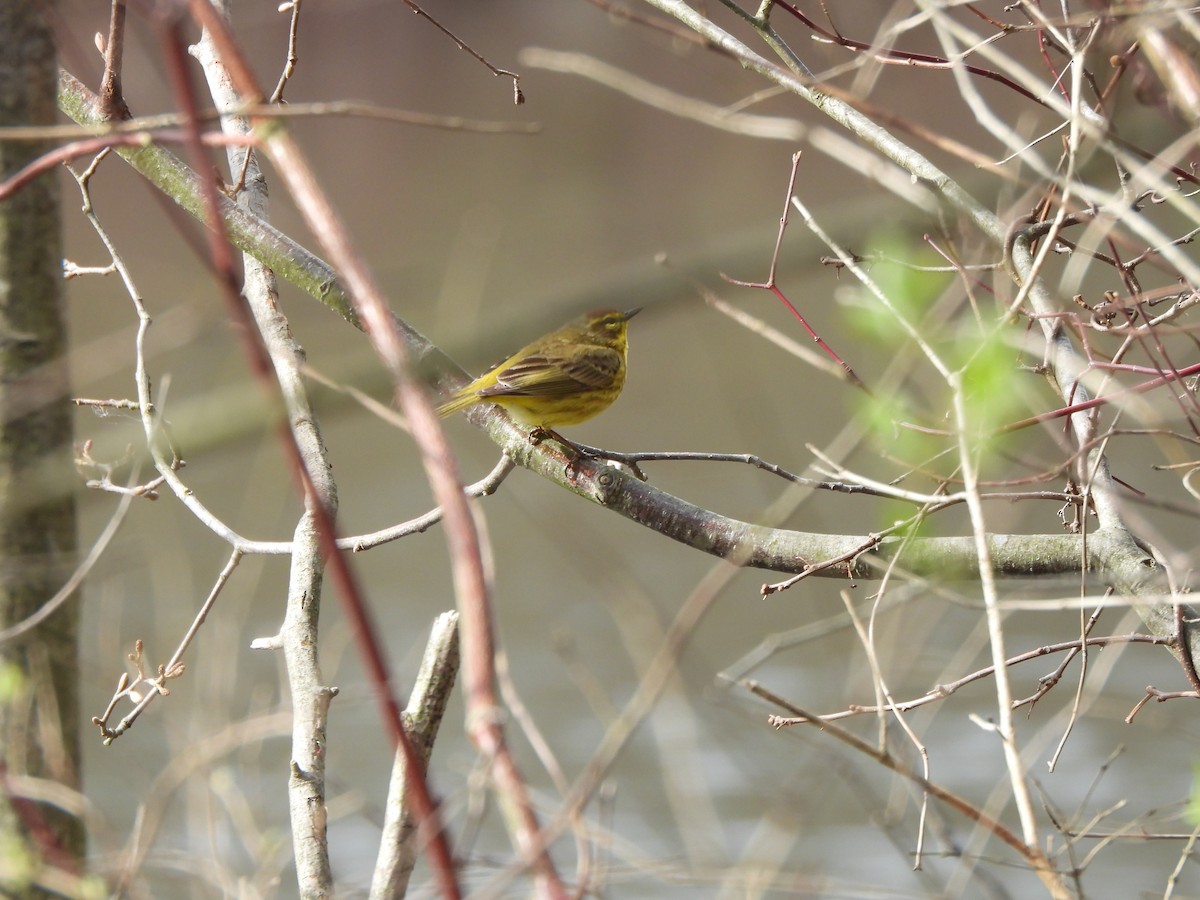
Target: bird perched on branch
(563, 378)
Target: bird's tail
(458, 401)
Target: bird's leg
(541, 433)
(576, 452)
(586, 451)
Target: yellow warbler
(562, 378)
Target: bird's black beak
(630, 313)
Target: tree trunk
(39, 707)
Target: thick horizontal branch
(1120, 562)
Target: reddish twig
(1165, 378)
(225, 271)
(770, 284)
(909, 58)
(91, 146)
(463, 538)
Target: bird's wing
(548, 375)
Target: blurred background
(482, 242)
